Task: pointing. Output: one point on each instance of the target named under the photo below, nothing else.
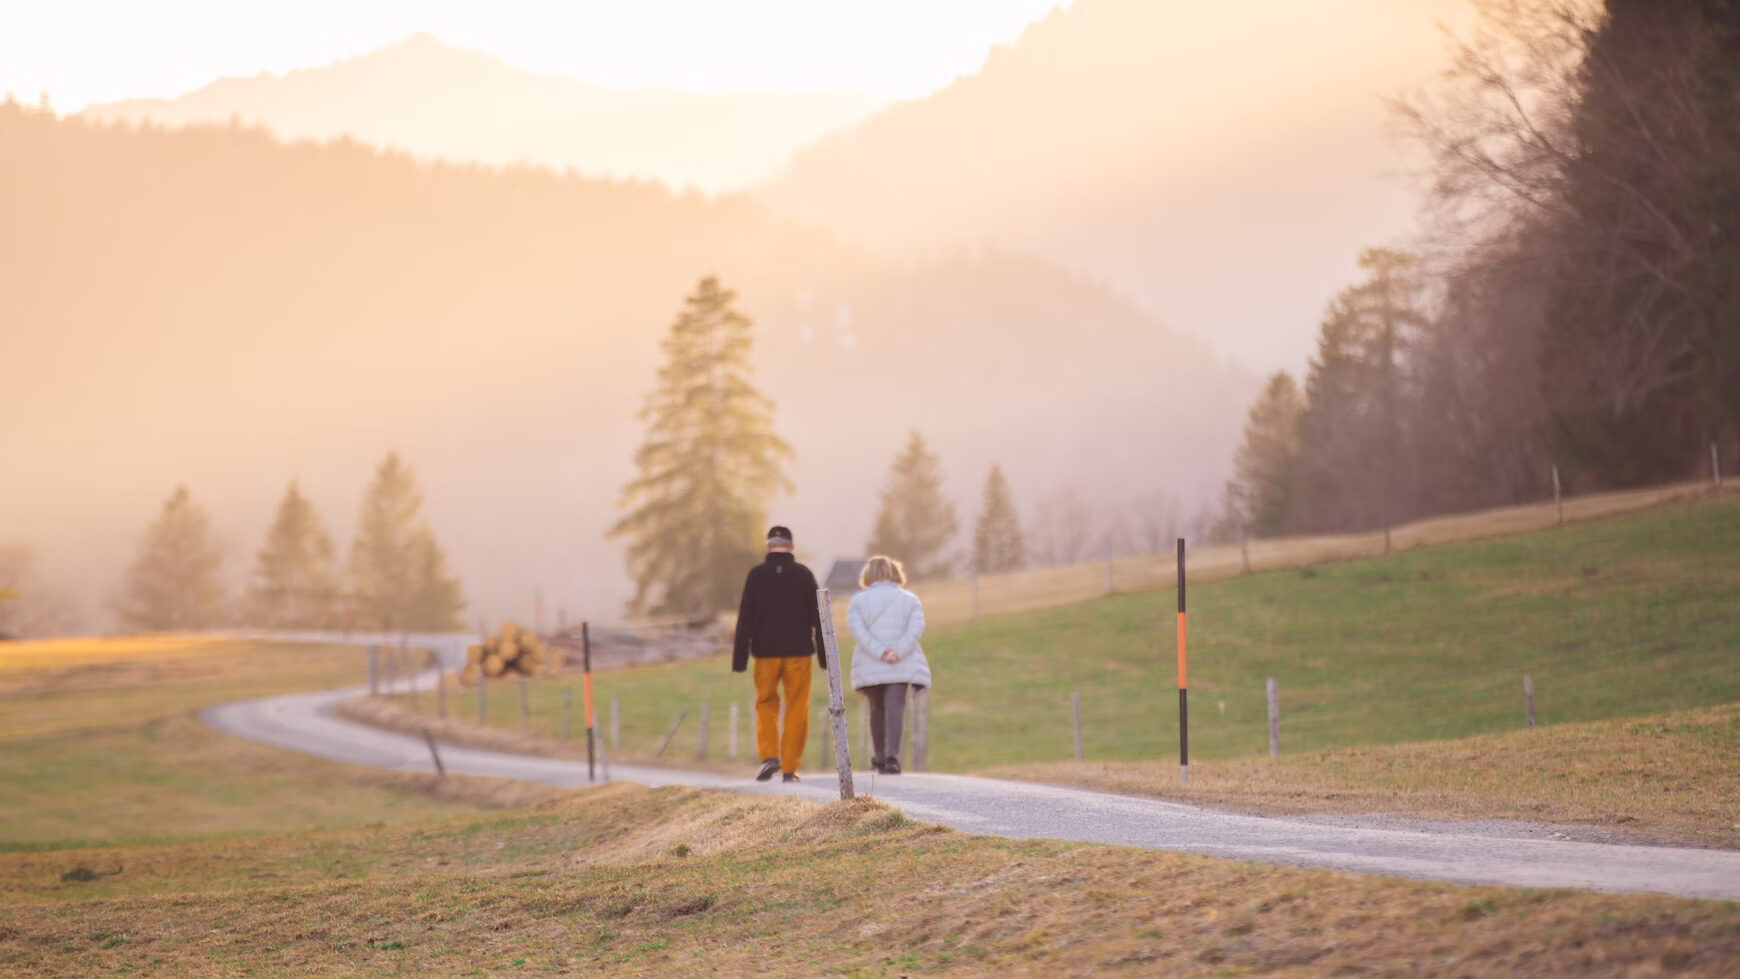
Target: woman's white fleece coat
(886, 616)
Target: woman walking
(885, 621)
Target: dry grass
(629, 881)
(1664, 777)
(98, 745)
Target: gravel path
(1517, 854)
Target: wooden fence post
(429, 739)
(701, 732)
(1715, 465)
(591, 713)
(836, 700)
(1075, 703)
(731, 739)
(1558, 499)
(1529, 700)
(1274, 720)
(671, 732)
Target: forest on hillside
(214, 308)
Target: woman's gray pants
(887, 718)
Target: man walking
(778, 625)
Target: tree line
(1573, 305)
(711, 461)
(396, 578)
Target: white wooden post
(836, 702)
(731, 739)
(1274, 720)
(1075, 704)
(1529, 700)
(1558, 500)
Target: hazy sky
(81, 52)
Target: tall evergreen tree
(1350, 472)
(295, 586)
(707, 468)
(1263, 468)
(173, 582)
(916, 522)
(997, 544)
(397, 571)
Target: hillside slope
(215, 308)
(439, 101)
(1222, 163)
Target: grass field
(1671, 777)
(1616, 617)
(98, 745)
(624, 880)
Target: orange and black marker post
(586, 684)
(1183, 701)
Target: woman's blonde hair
(881, 568)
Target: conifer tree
(397, 571)
(1263, 468)
(173, 582)
(708, 466)
(294, 585)
(916, 522)
(997, 544)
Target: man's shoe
(876, 765)
(768, 767)
(791, 777)
(891, 766)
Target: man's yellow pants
(772, 673)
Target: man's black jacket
(778, 616)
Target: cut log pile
(512, 652)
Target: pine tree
(173, 582)
(294, 585)
(997, 542)
(397, 571)
(1349, 474)
(1263, 468)
(916, 522)
(708, 466)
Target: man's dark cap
(780, 532)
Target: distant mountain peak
(437, 100)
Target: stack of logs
(514, 651)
